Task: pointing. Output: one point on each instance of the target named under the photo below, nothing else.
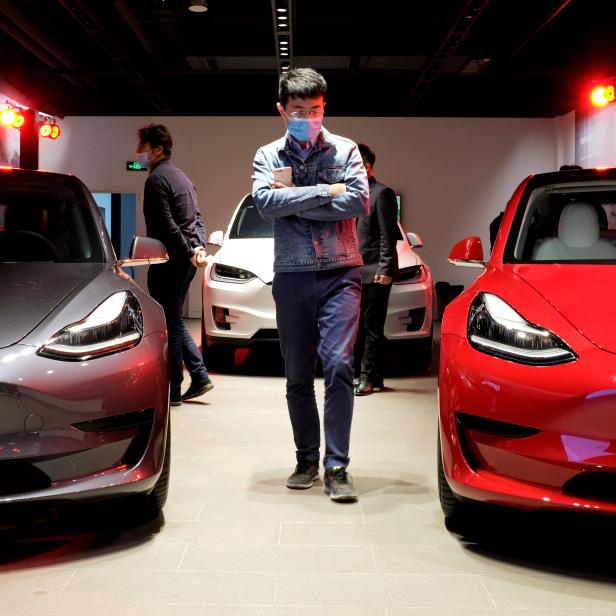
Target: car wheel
(453, 508)
(158, 497)
(221, 357)
(409, 356)
(421, 353)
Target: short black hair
(301, 83)
(155, 135)
(367, 155)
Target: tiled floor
(234, 541)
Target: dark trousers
(168, 284)
(317, 314)
(370, 347)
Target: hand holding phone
(283, 175)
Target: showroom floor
(234, 541)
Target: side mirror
(145, 251)
(468, 253)
(414, 240)
(216, 238)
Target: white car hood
(257, 256)
(254, 255)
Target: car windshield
(568, 223)
(248, 222)
(46, 218)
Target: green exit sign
(133, 165)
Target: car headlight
(227, 273)
(495, 328)
(415, 273)
(115, 325)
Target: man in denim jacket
(317, 285)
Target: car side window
(248, 223)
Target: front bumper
(251, 311)
(556, 447)
(82, 430)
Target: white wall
(454, 174)
(596, 137)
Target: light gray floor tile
(172, 587)
(401, 611)
(267, 610)
(69, 608)
(526, 590)
(386, 590)
(221, 533)
(401, 534)
(279, 559)
(155, 555)
(38, 583)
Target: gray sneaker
(304, 475)
(339, 484)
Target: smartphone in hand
(283, 175)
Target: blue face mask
(304, 129)
(143, 160)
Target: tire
(158, 496)
(406, 357)
(421, 353)
(453, 508)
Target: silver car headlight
(228, 273)
(495, 328)
(115, 325)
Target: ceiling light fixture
(198, 6)
(282, 10)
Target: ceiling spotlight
(19, 120)
(198, 6)
(7, 117)
(282, 10)
(45, 129)
(602, 95)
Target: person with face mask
(172, 216)
(317, 284)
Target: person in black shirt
(172, 216)
(377, 234)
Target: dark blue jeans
(168, 284)
(318, 313)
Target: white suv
(238, 307)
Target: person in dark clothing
(172, 216)
(377, 234)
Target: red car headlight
(495, 328)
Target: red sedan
(527, 379)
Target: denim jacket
(312, 230)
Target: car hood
(30, 291)
(255, 255)
(585, 295)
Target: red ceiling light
(19, 120)
(602, 95)
(45, 129)
(48, 129)
(7, 117)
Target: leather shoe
(364, 387)
(198, 389)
